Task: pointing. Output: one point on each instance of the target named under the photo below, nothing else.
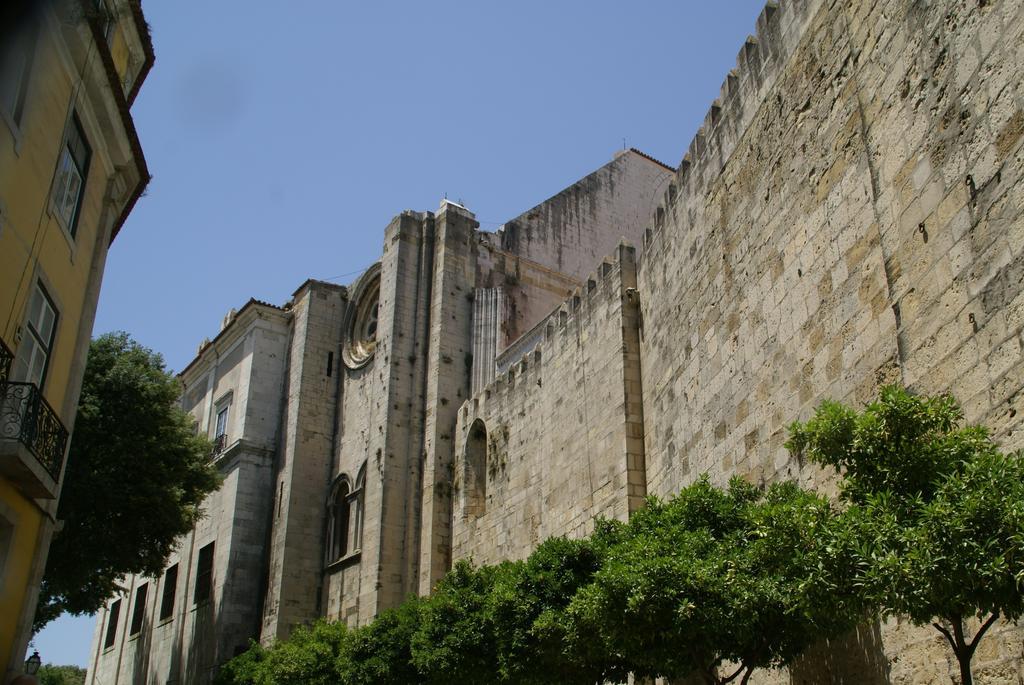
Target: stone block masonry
(562, 439)
(849, 215)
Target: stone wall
(574, 230)
(530, 290)
(850, 214)
(245, 363)
(304, 462)
(563, 444)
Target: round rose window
(362, 319)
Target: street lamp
(33, 663)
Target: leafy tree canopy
(381, 651)
(527, 605)
(935, 529)
(706, 578)
(136, 476)
(61, 675)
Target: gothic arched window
(476, 469)
(345, 517)
(337, 545)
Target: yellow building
(71, 168)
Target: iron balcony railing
(6, 358)
(219, 443)
(27, 417)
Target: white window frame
(72, 174)
(221, 409)
(38, 336)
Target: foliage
(135, 478)
(308, 656)
(455, 638)
(248, 668)
(534, 641)
(715, 583)
(381, 651)
(60, 675)
(687, 585)
(707, 578)
(935, 527)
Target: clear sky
(282, 138)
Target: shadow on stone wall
(857, 658)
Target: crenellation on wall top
(758, 61)
(605, 287)
(761, 58)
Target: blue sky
(282, 138)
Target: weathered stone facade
(849, 214)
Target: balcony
(219, 444)
(32, 439)
(6, 358)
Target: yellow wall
(119, 51)
(33, 243)
(35, 247)
(19, 565)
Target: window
(363, 320)
(170, 588)
(112, 616)
(72, 171)
(106, 18)
(204, 574)
(345, 517)
(339, 521)
(16, 57)
(476, 469)
(220, 431)
(139, 610)
(222, 422)
(37, 339)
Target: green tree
(61, 675)
(248, 668)
(136, 476)
(308, 656)
(455, 639)
(708, 578)
(935, 524)
(527, 608)
(381, 651)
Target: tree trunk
(964, 659)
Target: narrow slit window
(112, 617)
(139, 610)
(204, 575)
(170, 589)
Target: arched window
(345, 517)
(476, 469)
(362, 319)
(356, 510)
(338, 512)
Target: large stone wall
(574, 230)
(245, 363)
(849, 215)
(304, 461)
(563, 435)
